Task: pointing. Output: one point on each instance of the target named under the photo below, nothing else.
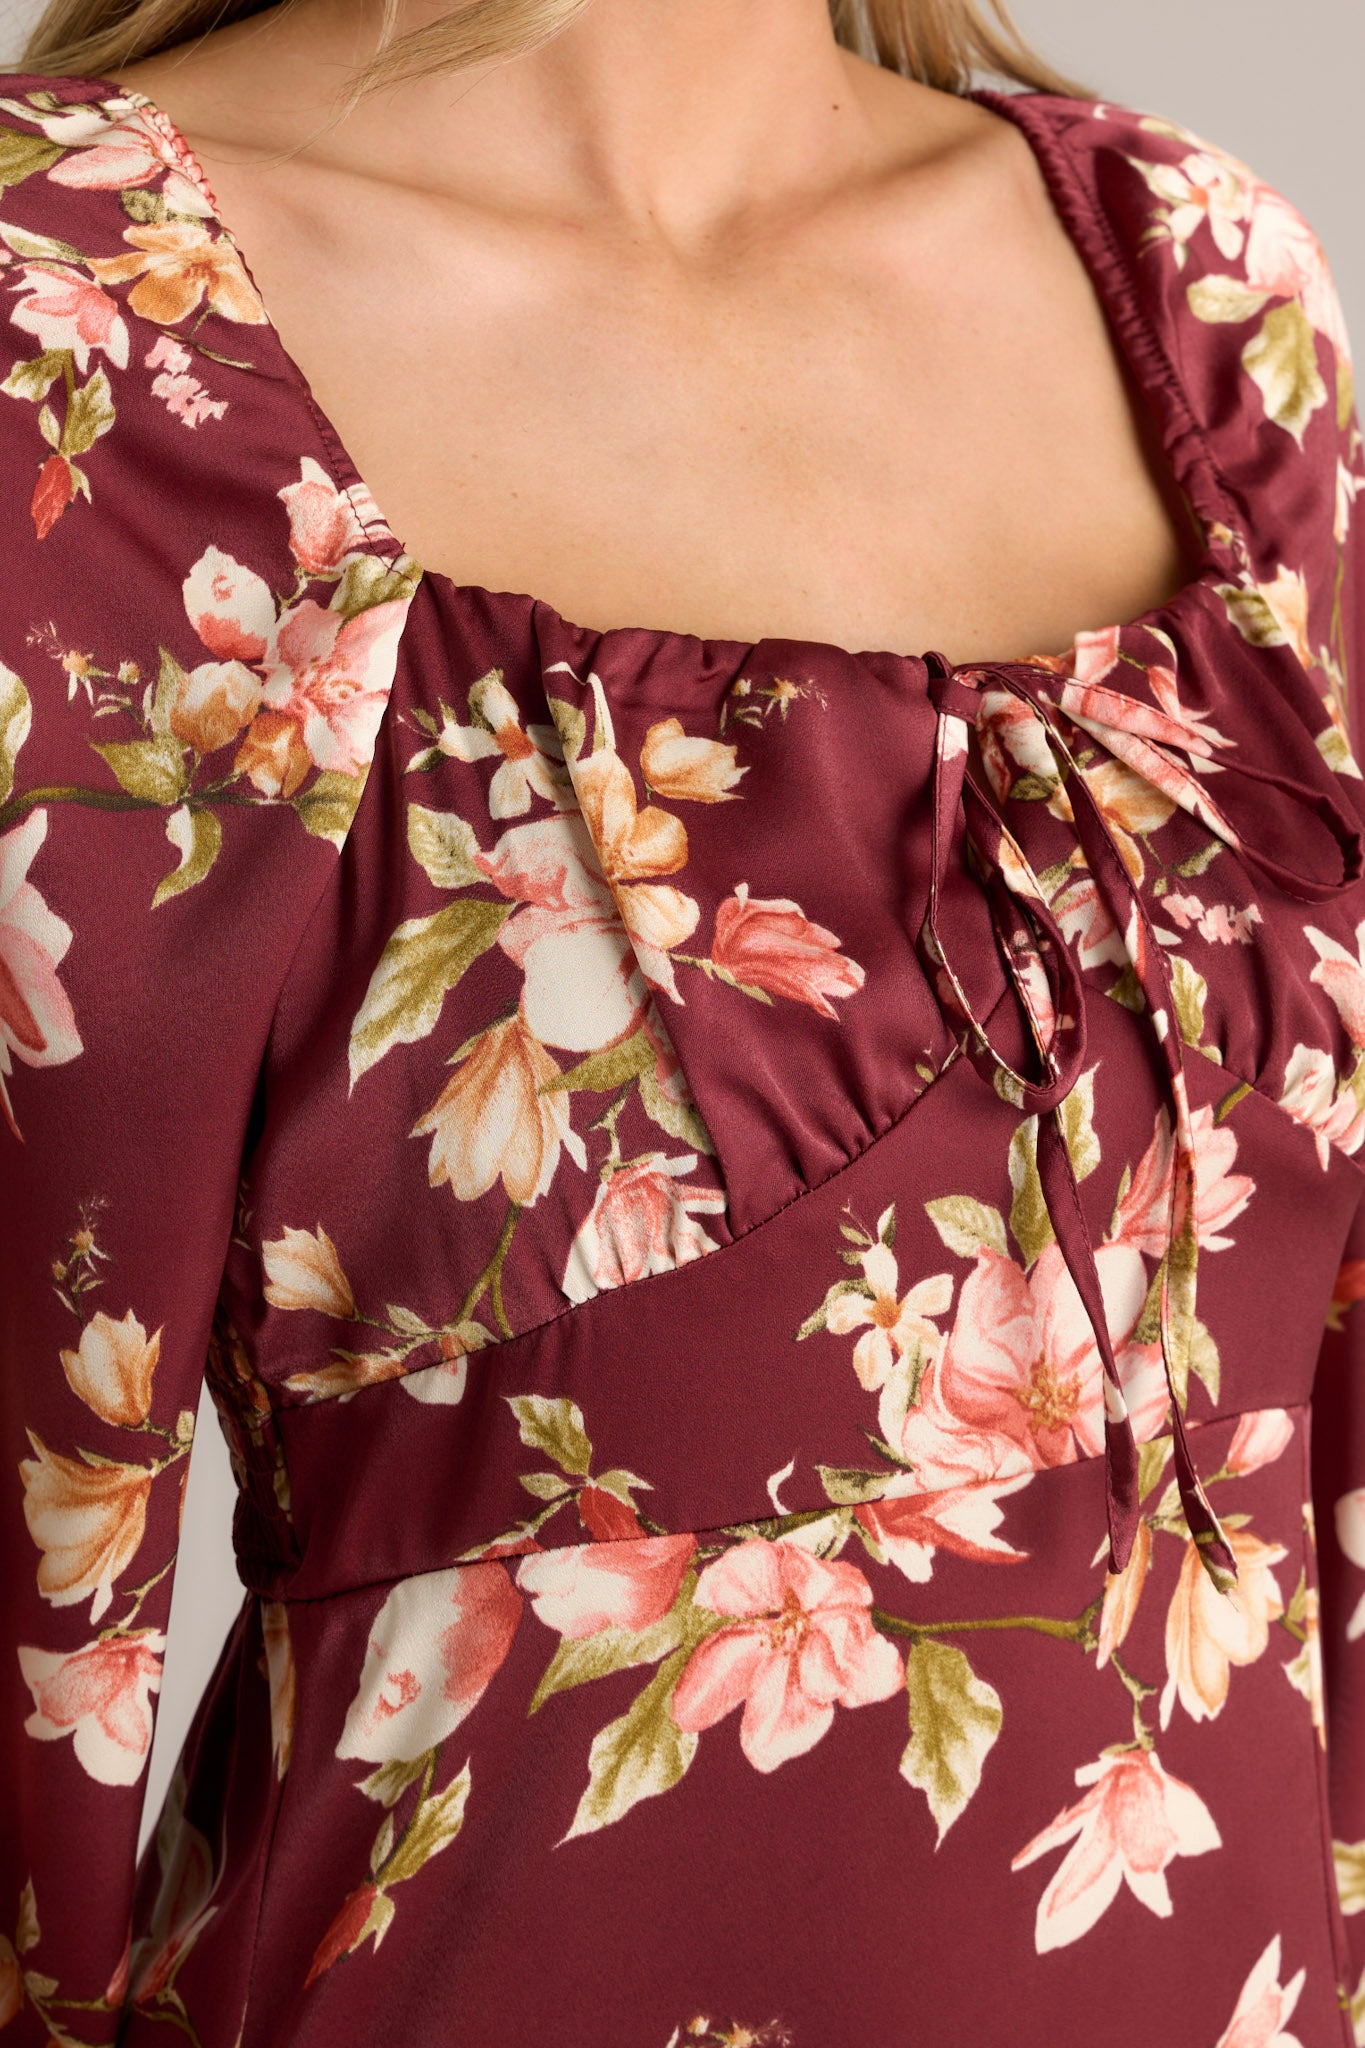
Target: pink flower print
(323, 527)
(436, 1644)
(581, 987)
(100, 1695)
(1220, 923)
(331, 678)
(909, 1524)
(1144, 1214)
(36, 1019)
(774, 946)
(67, 311)
(1285, 258)
(899, 1328)
(183, 395)
(1350, 1527)
(230, 607)
(1311, 1096)
(592, 1586)
(1342, 975)
(643, 1220)
(133, 152)
(801, 1643)
(1128, 1828)
(1261, 1436)
(1019, 1386)
(1265, 2007)
(532, 760)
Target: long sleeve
(1338, 1423)
(1338, 1417)
(131, 1032)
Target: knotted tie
(1047, 978)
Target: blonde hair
(940, 42)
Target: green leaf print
(34, 379)
(423, 960)
(89, 413)
(967, 1226)
(22, 155)
(1283, 360)
(579, 1660)
(197, 837)
(1224, 298)
(153, 769)
(16, 717)
(434, 1825)
(444, 844)
(327, 806)
(955, 1718)
(638, 1756)
(554, 1426)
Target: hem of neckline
(1193, 467)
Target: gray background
(1279, 85)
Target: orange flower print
(680, 767)
(212, 703)
(1131, 1824)
(304, 1272)
(1207, 1632)
(87, 1519)
(111, 1369)
(179, 266)
(800, 1643)
(498, 1119)
(101, 1696)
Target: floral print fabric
(795, 1393)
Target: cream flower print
(1204, 188)
(898, 1326)
(1349, 1517)
(1342, 974)
(800, 1643)
(1127, 1828)
(1265, 2006)
(532, 759)
(99, 1695)
(435, 1646)
(1207, 1632)
(1331, 1107)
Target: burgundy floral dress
(787, 1290)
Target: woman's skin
(690, 319)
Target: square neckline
(1178, 432)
